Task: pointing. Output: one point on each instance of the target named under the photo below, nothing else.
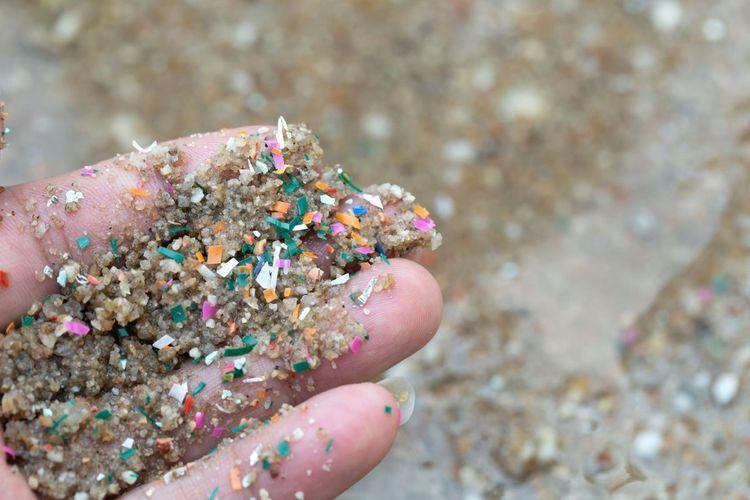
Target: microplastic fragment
(340, 280)
(373, 200)
(355, 344)
(227, 267)
(179, 391)
(83, 241)
(208, 310)
(76, 328)
(424, 225)
(143, 150)
(163, 342)
(176, 256)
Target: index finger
(39, 226)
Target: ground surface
(587, 164)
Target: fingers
(399, 321)
(33, 234)
(333, 440)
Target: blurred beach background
(586, 161)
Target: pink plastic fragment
(9, 451)
(364, 250)
(87, 171)
(337, 227)
(217, 432)
(278, 160)
(76, 328)
(317, 217)
(169, 188)
(355, 344)
(283, 263)
(199, 420)
(425, 224)
(208, 310)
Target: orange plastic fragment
(188, 404)
(348, 219)
(4, 279)
(199, 256)
(215, 253)
(359, 239)
(10, 327)
(330, 249)
(135, 191)
(307, 218)
(309, 254)
(322, 186)
(234, 479)
(421, 211)
(281, 207)
(270, 295)
(295, 313)
(249, 239)
(92, 280)
(287, 291)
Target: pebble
(647, 444)
(724, 388)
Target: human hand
(354, 416)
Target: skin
(350, 409)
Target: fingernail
(404, 394)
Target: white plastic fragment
(62, 277)
(373, 200)
(341, 279)
(304, 313)
(163, 342)
(280, 129)
(299, 227)
(128, 443)
(327, 200)
(264, 276)
(196, 195)
(47, 271)
(206, 272)
(72, 196)
(179, 391)
(227, 267)
(210, 358)
(365, 296)
(129, 477)
(143, 150)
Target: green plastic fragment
(302, 206)
(348, 181)
(388, 409)
(198, 388)
(115, 249)
(249, 340)
(27, 321)
(284, 448)
(301, 366)
(213, 493)
(178, 229)
(122, 332)
(292, 185)
(166, 252)
(329, 445)
(239, 427)
(178, 314)
(238, 351)
(103, 415)
(127, 453)
(56, 423)
(83, 241)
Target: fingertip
(408, 313)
